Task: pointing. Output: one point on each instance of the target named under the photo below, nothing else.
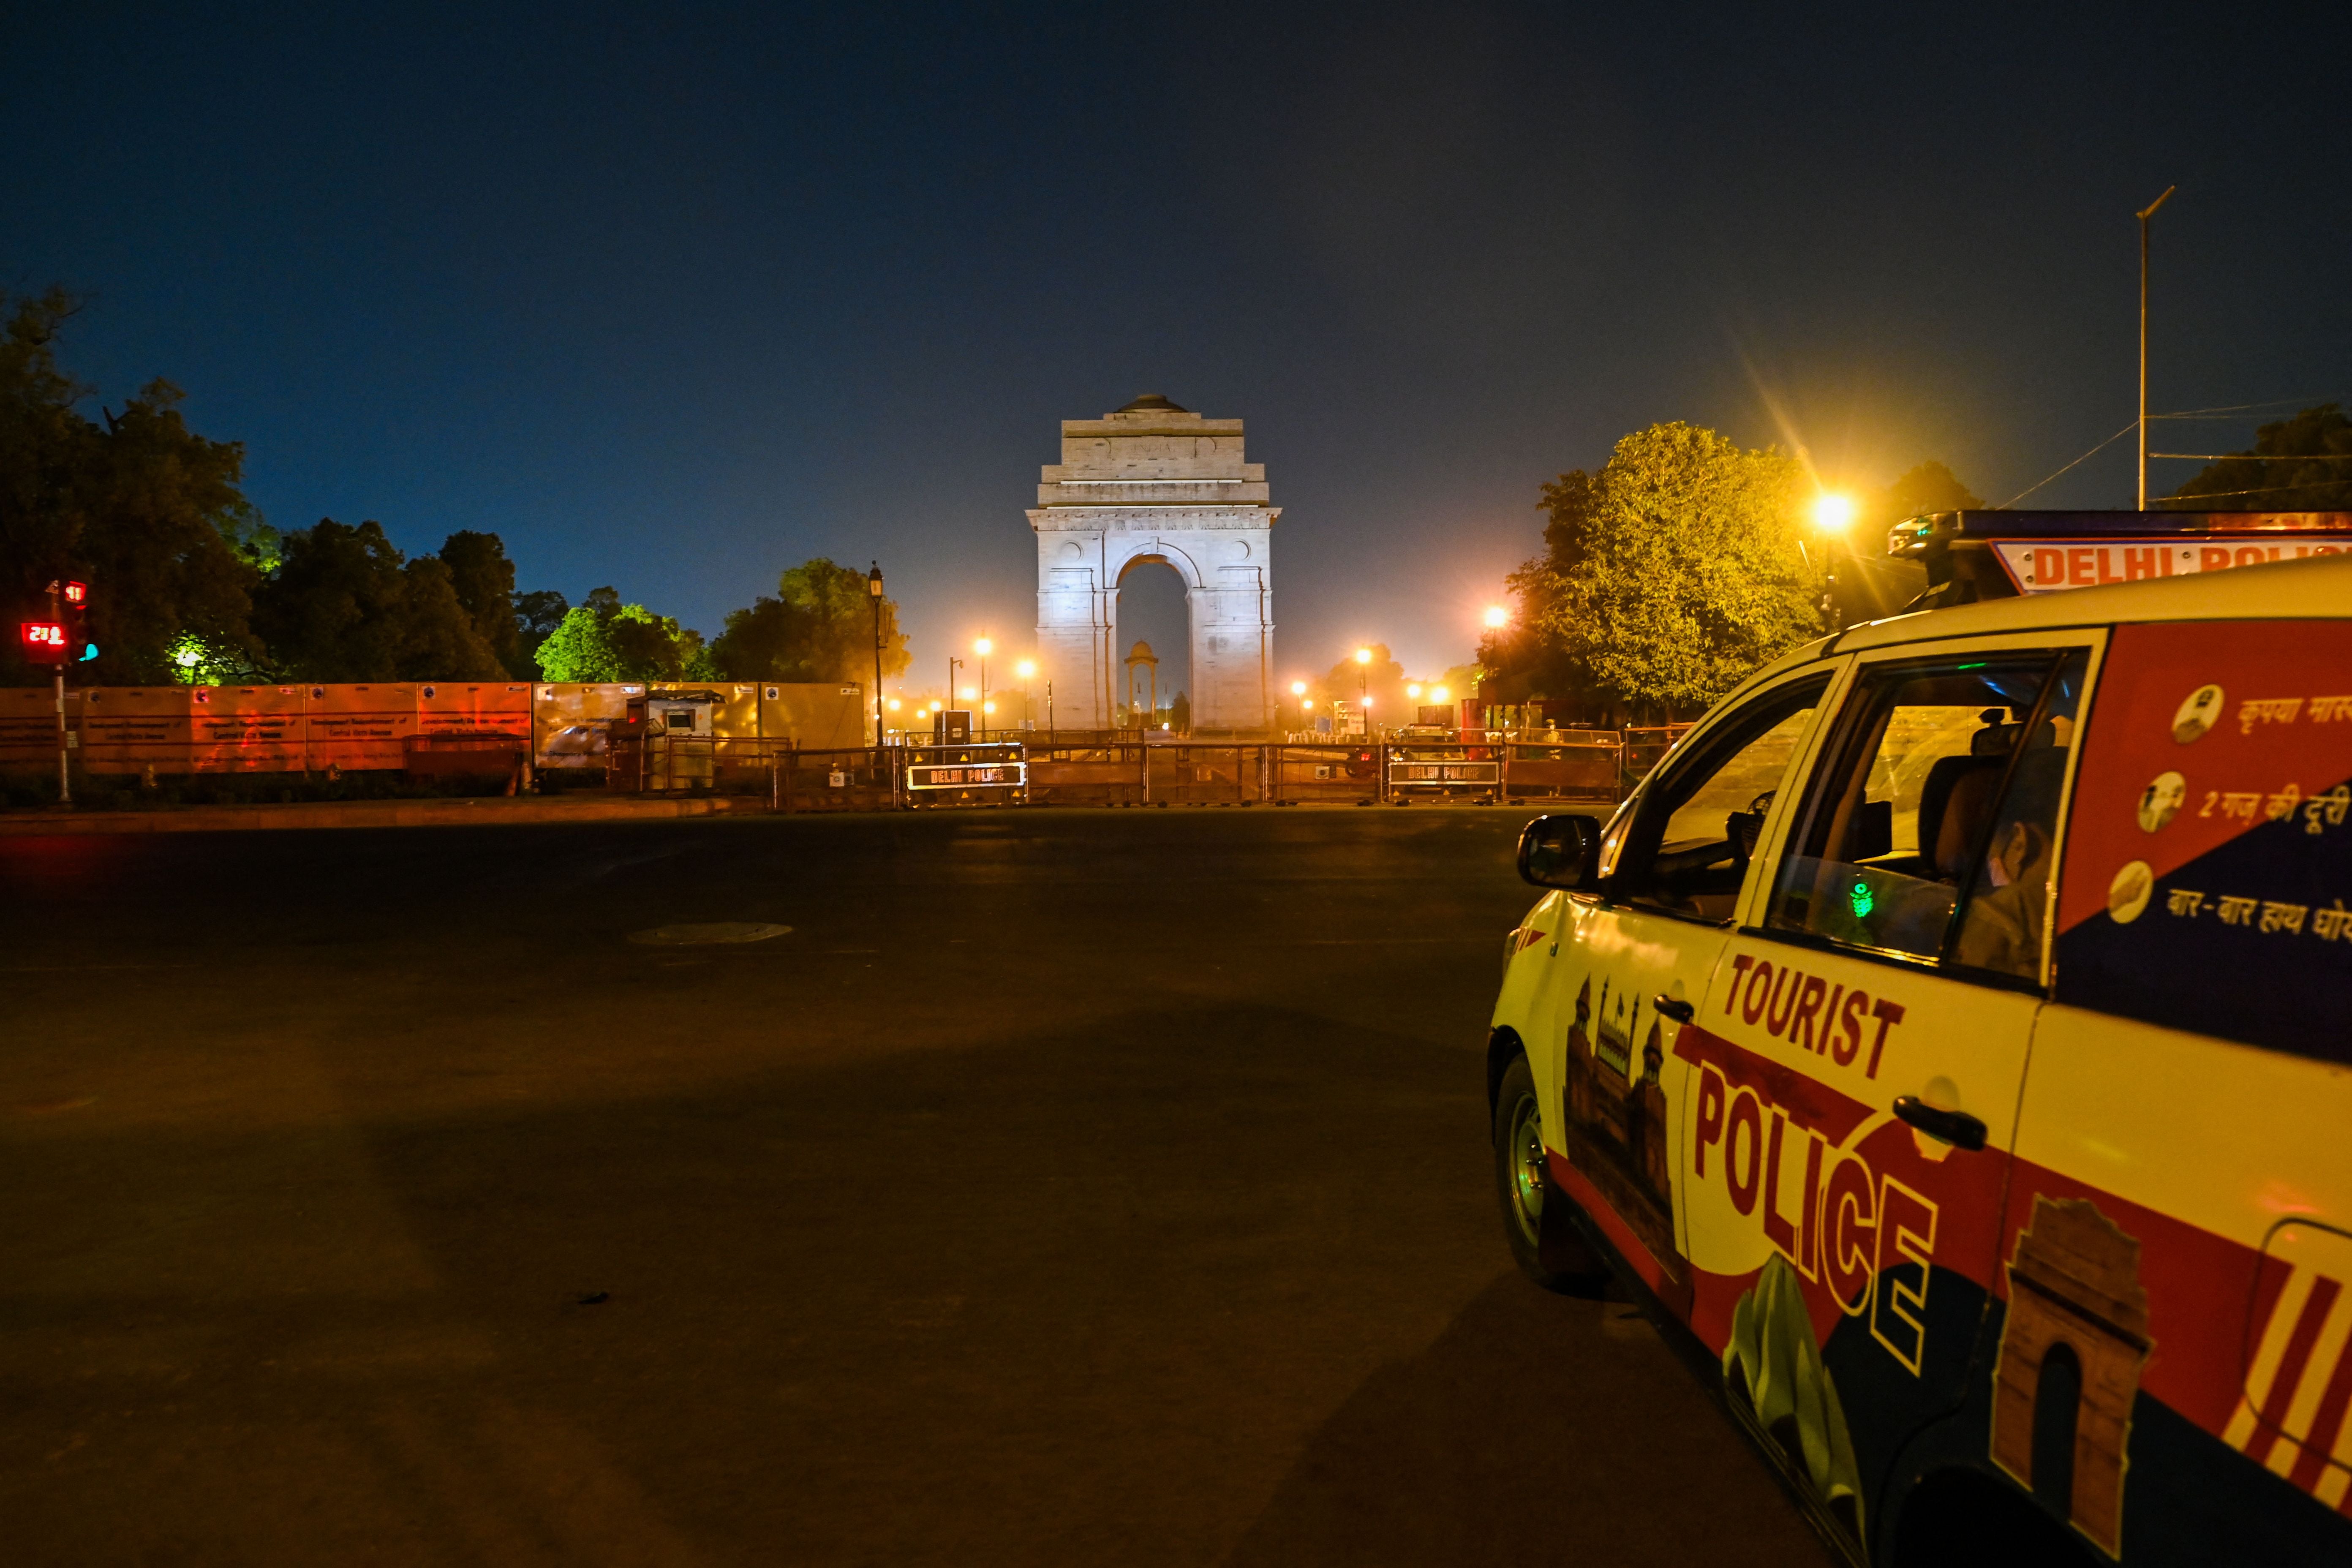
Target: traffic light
(45, 641)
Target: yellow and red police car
(1954, 1034)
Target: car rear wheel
(1538, 1220)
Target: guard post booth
(666, 740)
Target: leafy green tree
(820, 626)
(627, 642)
(2303, 464)
(345, 605)
(579, 650)
(144, 510)
(1668, 577)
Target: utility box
(952, 727)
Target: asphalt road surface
(1066, 1187)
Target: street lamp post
(1027, 670)
(1364, 688)
(2147, 214)
(874, 592)
(983, 647)
(954, 664)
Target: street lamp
(2144, 217)
(1497, 617)
(954, 664)
(1833, 515)
(1027, 670)
(1364, 687)
(874, 592)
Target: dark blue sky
(673, 298)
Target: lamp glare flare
(1832, 513)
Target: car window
(1687, 847)
(1941, 781)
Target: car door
(1631, 961)
(2174, 1363)
(1856, 1069)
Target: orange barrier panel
(360, 727)
(816, 716)
(244, 729)
(28, 726)
(130, 729)
(499, 708)
(569, 720)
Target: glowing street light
(1363, 656)
(1833, 514)
(1497, 617)
(1414, 690)
(1437, 694)
(983, 647)
(1025, 669)
(1298, 688)
(968, 692)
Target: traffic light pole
(65, 778)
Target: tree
(537, 614)
(820, 626)
(1383, 679)
(623, 642)
(345, 605)
(147, 512)
(484, 581)
(2287, 470)
(1668, 577)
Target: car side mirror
(1561, 852)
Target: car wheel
(1538, 1220)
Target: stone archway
(1156, 482)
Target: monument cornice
(1125, 518)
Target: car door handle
(1680, 1011)
(1956, 1128)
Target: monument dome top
(1154, 403)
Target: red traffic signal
(43, 639)
(77, 592)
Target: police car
(1954, 1035)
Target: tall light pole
(954, 664)
(1833, 514)
(1364, 688)
(874, 592)
(983, 647)
(1027, 670)
(2146, 213)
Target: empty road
(1064, 1187)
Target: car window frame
(1832, 674)
(2057, 641)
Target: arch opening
(2057, 1405)
(1153, 607)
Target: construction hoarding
(360, 728)
(130, 729)
(244, 729)
(28, 726)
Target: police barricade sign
(1439, 776)
(966, 775)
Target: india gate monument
(1156, 482)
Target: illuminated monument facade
(1156, 482)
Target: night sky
(674, 297)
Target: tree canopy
(1665, 579)
(142, 507)
(2303, 464)
(819, 626)
(606, 639)
(344, 605)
